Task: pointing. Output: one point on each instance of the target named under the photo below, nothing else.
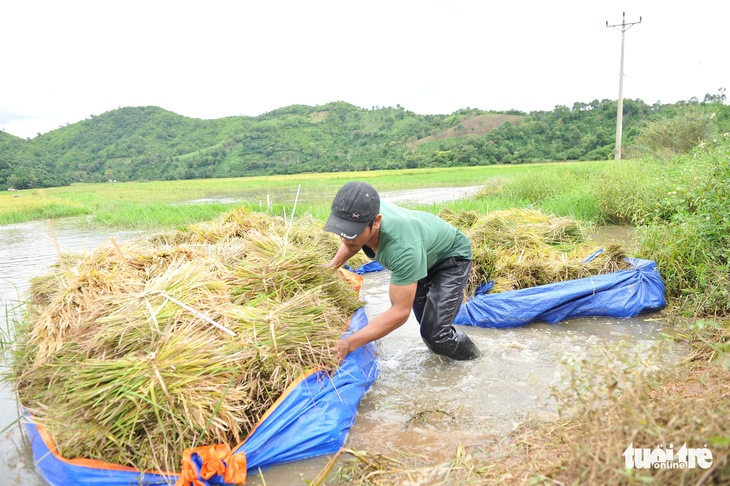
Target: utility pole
(623, 26)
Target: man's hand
(341, 350)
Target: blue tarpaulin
(373, 266)
(626, 293)
(313, 418)
(318, 413)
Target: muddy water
(423, 403)
(431, 196)
(420, 402)
(427, 404)
(622, 235)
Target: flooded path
(420, 402)
(427, 403)
(433, 195)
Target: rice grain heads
(185, 339)
(520, 248)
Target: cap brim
(345, 228)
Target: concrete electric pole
(623, 26)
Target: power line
(623, 26)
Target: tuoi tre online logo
(661, 458)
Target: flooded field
(420, 402)
(431, 196)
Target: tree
(720, 97)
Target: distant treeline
(149, 143)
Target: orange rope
(217, 459)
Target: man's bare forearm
(381, 326)
(401, 301)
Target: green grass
(157, 215)
(155, 205)
(28, 206)
(563, 189)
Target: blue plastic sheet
(318, 413)
(626, 293)
(312, 419)
(373, 266)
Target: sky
(63, 61)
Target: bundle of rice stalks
(520, 248)
(274, 269)
(524, 228)
(132, 356)
(308, 232)
(234, 224)
(460, 219)
(483, 268)
(533, 268)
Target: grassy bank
(561, 189)
(157, 205)
(680, 208)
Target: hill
(137, 143)
(24, 165)
(150, 143)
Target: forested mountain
(150, 143)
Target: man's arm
(401, 302)
(342, 255)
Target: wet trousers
(438, 297)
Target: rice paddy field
(156, 205)
(528, 225)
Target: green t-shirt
(411, 242)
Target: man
(429, 262)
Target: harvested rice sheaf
(521, 248)
(180, 340)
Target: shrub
(671, 136)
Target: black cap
(354, 207)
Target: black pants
(437, 301)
